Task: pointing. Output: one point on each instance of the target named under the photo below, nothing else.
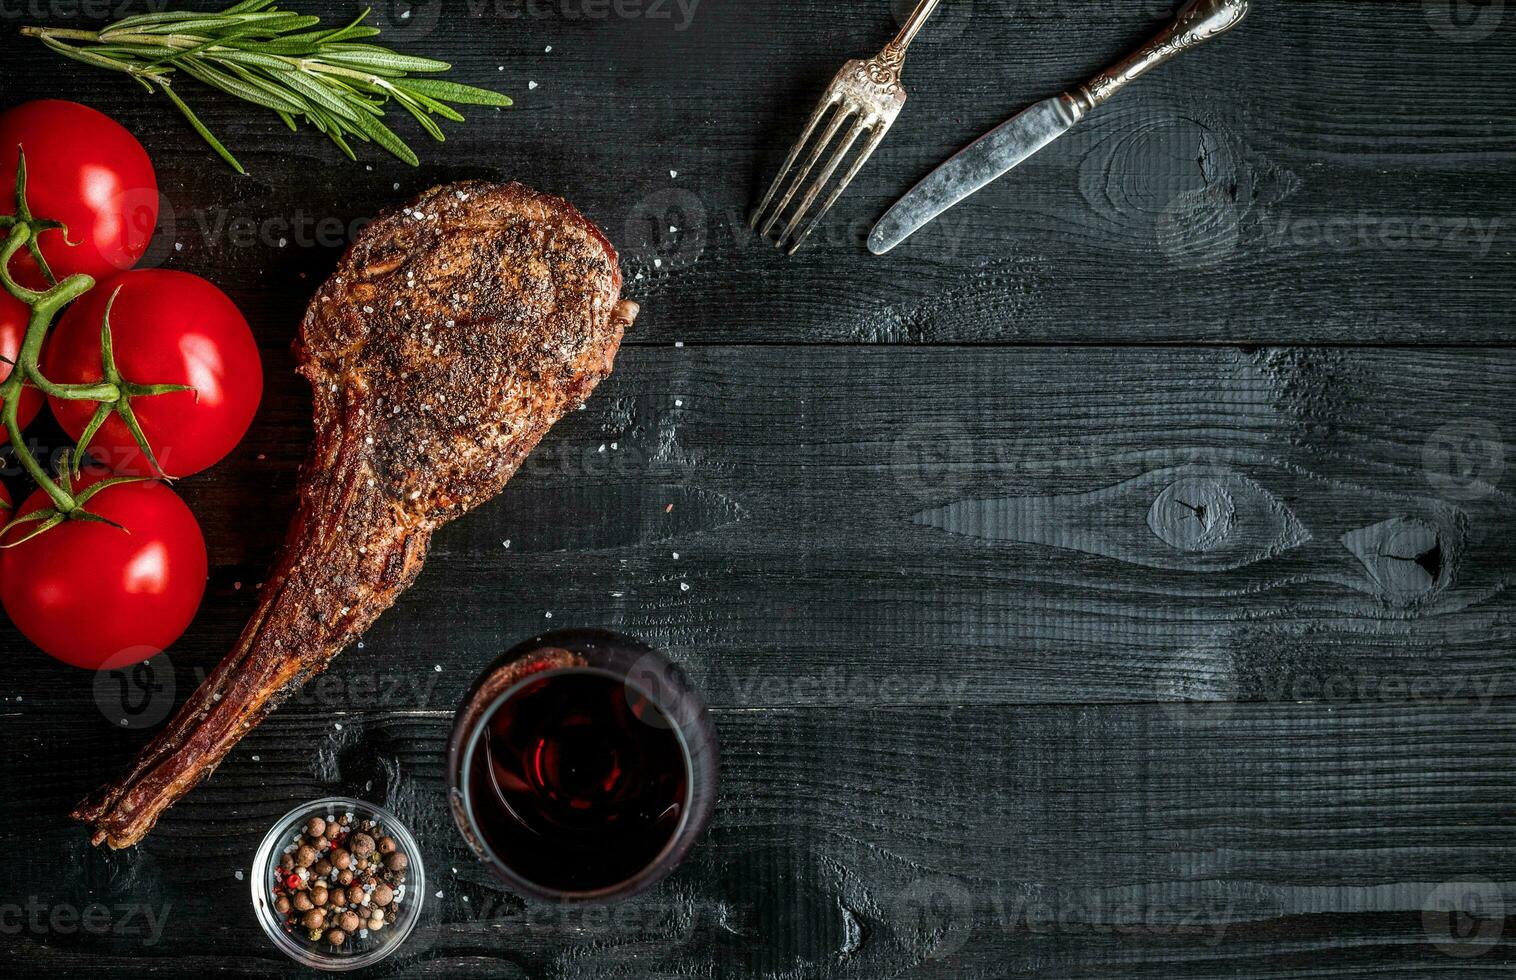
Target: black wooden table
(1113, 581)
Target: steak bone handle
(1198, 22)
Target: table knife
(1002, 149)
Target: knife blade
(1009, 144)
(973, 168)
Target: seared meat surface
(451, 337)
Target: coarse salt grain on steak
(452, 336)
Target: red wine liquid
(577, 783)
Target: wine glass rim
(636, 882)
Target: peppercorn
(396, 862)
(344, 877)
(350, 922)
(305, 856)
(333, 830)
(387, 845)
(362, 845)
(383, 894)
(356, 895)
(287, 862)
(319, 894)
(376, 923)
(303, 902)
(341, 859)
(322, 867)
(282, 905)
(336, 937)
(314, 919)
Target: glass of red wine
(582, 766)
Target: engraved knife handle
(1196, 23)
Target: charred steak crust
(454, 333)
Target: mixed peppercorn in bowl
(338, 883)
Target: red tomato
(13, 317)
(85, 170)
(166, 328)
(96, 596)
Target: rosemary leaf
(443, 90)
(278, 60)
(386, 138)
(199, 127)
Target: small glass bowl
(357, 952)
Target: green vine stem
(112, 392)
(44, 307)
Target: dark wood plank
(1334, 171)
(976, 842)
(853, 525)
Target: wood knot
(1193, 514)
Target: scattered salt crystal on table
(550, 614)
(684, 586)
(339, 726)
(437, 668)
(548, 49)
(237, 874)
(531, 86)
(439, 894)
(674, 174)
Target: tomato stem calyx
(24, 216)
(113, 393)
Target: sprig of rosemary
(276, 59)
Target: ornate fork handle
(1198, 22)
(884, 68)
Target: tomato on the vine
(85, 170)
(102, 597)
(13, 318)
(167, 327)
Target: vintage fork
(867, 92)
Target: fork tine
(841, 116)
(857, 130)
(867, 150)
(789, 161)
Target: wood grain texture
(836, 525)
(1046, 635)
(1120, 840)
(1334, 170)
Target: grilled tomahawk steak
(452, 336)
